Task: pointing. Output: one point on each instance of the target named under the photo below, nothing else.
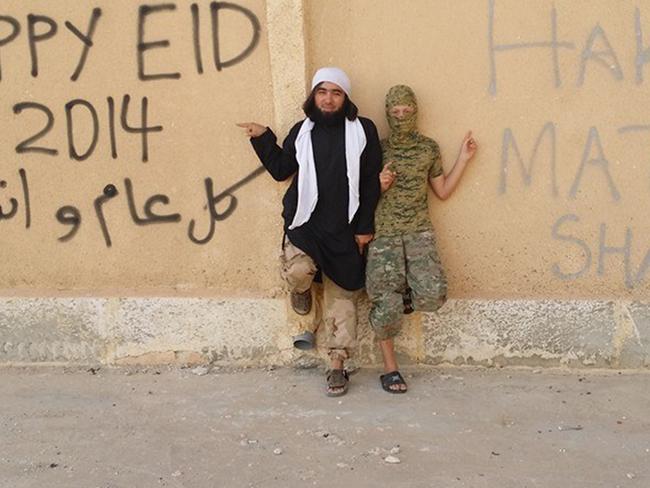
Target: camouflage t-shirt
(403, 208)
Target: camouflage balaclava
(403, 132)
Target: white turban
(333, 75)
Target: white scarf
(355, 142)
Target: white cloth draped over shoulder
(355, 142)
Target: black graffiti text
(80, 115)
(10, 205)
(42, 28)
(153, 209)
(166, 11)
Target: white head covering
(333, 75)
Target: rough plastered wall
(123, 149)
(546, 240)
(137, 226)
(134, 216)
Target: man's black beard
(327, 118)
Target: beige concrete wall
(501, 235)
(545, 241)
(197, 112)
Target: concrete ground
(457, 427)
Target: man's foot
(393, 382)
(337, 382)
(301, 302)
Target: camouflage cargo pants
(398, 262)
(335, 307)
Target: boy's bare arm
(444, 185)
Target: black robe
(327, 237)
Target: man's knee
(299, 272)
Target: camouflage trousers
(396, 263)
(335, 308)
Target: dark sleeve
(280, 162)
(369, 189)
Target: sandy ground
(457, 427)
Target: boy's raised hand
(387, 177)
(468, 147)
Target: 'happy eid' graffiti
(596, 51)
(39, 29)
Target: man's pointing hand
(253, 129)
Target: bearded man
(334, 157)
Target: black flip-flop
(391, 379)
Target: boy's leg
(385, 281)
(424, 272)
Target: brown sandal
(337, 379)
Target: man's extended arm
(280, 162)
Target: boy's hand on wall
(253, 129)
(468, 147)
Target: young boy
(403, 257)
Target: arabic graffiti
(213, 201)
(70, 215)
(152, 213)
(85, 127)
(13, 202)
